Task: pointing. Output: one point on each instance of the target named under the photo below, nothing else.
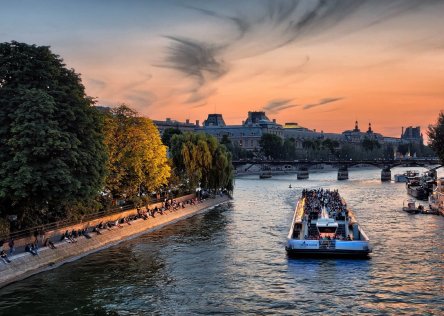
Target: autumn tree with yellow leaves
(137, 159)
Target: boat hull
(306, 253)
(337, 248)
(418, 193)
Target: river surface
(232, 260)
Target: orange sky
(372, 61)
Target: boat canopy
(326, 222)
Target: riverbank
(24, 265)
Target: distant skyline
(323, 64)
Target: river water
(232, 260)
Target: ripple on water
(231, 260)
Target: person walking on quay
(11, 246)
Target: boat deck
(324, 225)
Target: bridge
(302, 166)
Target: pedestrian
(11, 246)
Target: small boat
(415, 189)
(411, 207)
(406, 175)
(265, 175)
(323, 225)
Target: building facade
(412, 135)
(247, 135)
(186, 126)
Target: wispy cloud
(199, 61)
(275, 106)
(271, 25)
(141, 98)
(96, 83)
(321, 102)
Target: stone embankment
(24, 264)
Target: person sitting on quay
(48, 243)
(85, 233)
(96, 230)
(117, 223)
(4, 256)
(29, 248)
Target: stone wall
(55, 234)
(24, 264)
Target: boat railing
(299, 207)
(363, 235)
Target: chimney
(197, 122)
(187, 121)
(274, 121)
(402, 131)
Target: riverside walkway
(24, 264)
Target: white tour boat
(323, 225)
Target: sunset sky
(323, 64)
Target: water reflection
(232, 260)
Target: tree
(330, 144)
(237, 152)
(271, 145)
(436, 137)
(199, 158)
(289, 149)
(370, 144)
(137, 158)
(168, 134)
(51, 144)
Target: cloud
(240, 23)
(270, 25)
(200, 94)
(196, 60)
(275, 106)
(96, 83)
(141, 98)
(321, 102)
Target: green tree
(137, 158)
(330, 144)
(168, 134)
(237, 152)
(370, 144)
(271, 146)
(289, 148)
(436, 137)
(51, 144)
(199, 158)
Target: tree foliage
(51, 145)
(436, 137)
(137, 158)
(271, 146)
(237, 152)
(370, 144)
(168, 134)
(199, 158)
